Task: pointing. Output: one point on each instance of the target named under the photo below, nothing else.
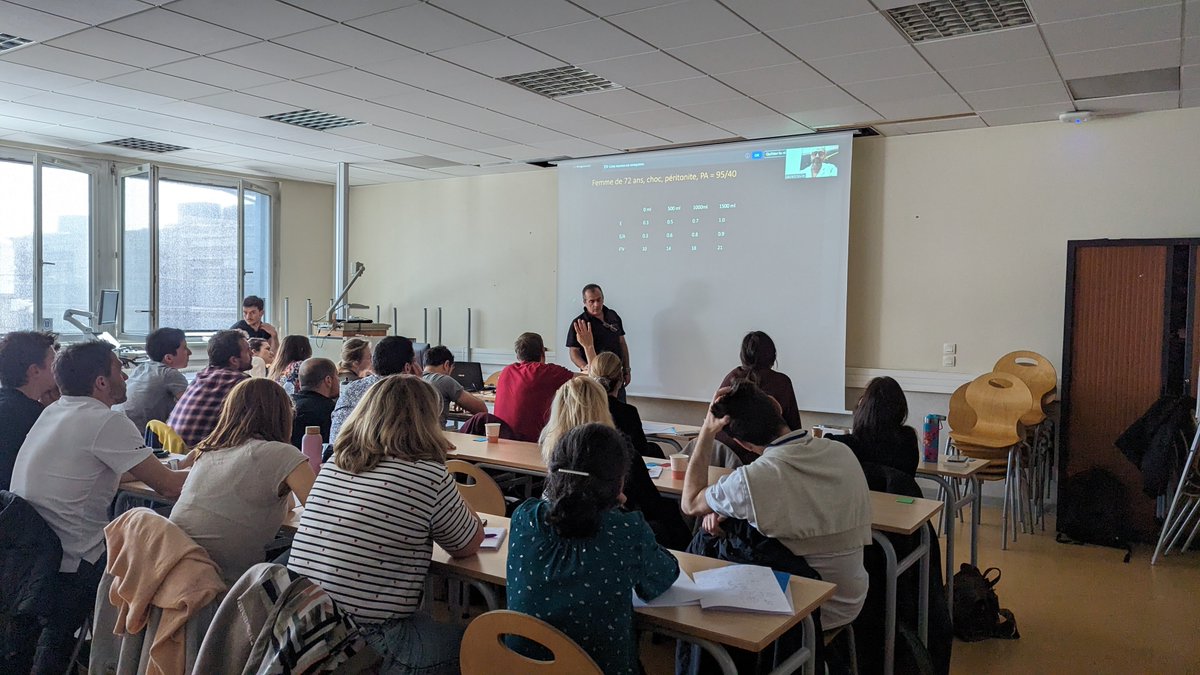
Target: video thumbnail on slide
(818, 161)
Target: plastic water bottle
(930, 433)
(311, 445)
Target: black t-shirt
(19, 412)
(312, 410)
(251, 332)
(899, 449)
(606, 333)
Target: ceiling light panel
(560, 82)
(949, 18)
(143, 145)
(312, 119)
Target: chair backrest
(484, 494)
(492, 379)
(961, 417)
(1000, 401)
(483, 649)
(1037, 373)
(170, 441)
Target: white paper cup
(679, 463)
(492, 429)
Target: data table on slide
(678, 227)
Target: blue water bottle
(930, 433)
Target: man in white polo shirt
(70, 468)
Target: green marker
(905, 500)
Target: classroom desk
(941, 472)
(890, 516)
(683, 433)
(670, 486)
(743, 630)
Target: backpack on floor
(1095, 510)
(977, 612)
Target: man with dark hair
(155, 386)
(808, 493)
(608, 332)
(392, 356)
(197, 412)
(439, 363)
(26, 378)
(252, 323)
(319, 390)
(526, 388)
(69, 469)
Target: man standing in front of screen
(608, 333)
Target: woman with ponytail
(574, 555)
(607, 369)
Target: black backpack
(977, 611)
(1095, 510)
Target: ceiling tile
(688, 92)
(68, 63)
(877, 65)
(217, 73)
(19, 73)
(497, 58)
(518, 152)
(954, 124)
(40, 114)
(584, 42)
(649, 68)
(262, 18)
(242, 103)
(628, 140)
(733, 54)
(614, 102)
(121, 48)
(610, 7)
(890, 129)
(345, 10)
(1133, 103)
(179, 31)
(997, 75)
(301, 96)
(788, 77)
(765, 127)
(1189, 98)
(683, 23)
(818, 98)
(34, 25)
(345, 44)
(1114, 30)
(16, 92)
(1046, 11)
(358, 83)
(426, 72)
(775, 14)
(650, 120)
(1191, 19)
(694, 133)
(1017, 97)
(516, 16)
(88, 11)
(1189, 77)
(108, 93)
(930, 106)
(1131, 58)
(72, 104)
(865, 32)
(718, 112)
(1191, 51)
(899, 88)
(829, 117)
(278, 60)
(424, 28)
(983, 49)
(1040, 113)
(164, 85)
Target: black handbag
(977, 611)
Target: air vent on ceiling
(425, 162)
(8, 42)
(144, 145)
(312, 119)
(948, 18)
(559, 82)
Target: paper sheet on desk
(654, 470)
(492, 537)
(658, 428)
(744, 588)
(682, 592)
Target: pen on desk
(490, 535)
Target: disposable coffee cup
(679, 464)
(492, 429)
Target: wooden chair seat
(961, 417)
(1037, 373)
(492, 379)
(484, 652)
(999, 400)
(484, 495)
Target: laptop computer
(469, 374)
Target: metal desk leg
(977, 485)
(923, 600)
(889, 611)
(949, 515)
(804, 657)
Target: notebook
(747, 588)
(493, 537)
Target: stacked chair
(1001, 416)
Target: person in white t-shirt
(70, 468)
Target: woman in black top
(607, 370)
(758, 362)
(878, 433)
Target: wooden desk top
(489, 565)
(515, 454)
(681, 430)
(668, 484)
(951, 469)
(889, 515)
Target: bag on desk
(977, 612)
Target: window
(16, 246)
(189, 262)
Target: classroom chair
(482, 494)
(484, 652)
(1039, 375)
(167, 438)
(491, 380)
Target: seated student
(294, 350)
(526, 388)
(609, 372)
(878, 434)
(69, 469)
(583, 401)
(574, 555)
(439, 363)
(242, 478)
(807, 493)
(393, 355)
(262, 356)
(156, 385)
(252, 323)
(367, 532)
(26, 379)
(355, 363)
(319, 390)
(196, 412)
(758, 360)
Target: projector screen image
(698, 246)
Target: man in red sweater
(526, 388)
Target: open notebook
(745, 588)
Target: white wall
(305, 251)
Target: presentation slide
(698, 246)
